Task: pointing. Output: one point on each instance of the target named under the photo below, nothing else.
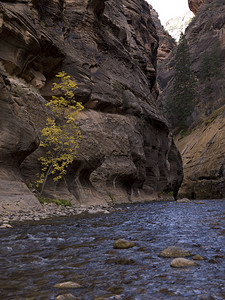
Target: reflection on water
(34, 257)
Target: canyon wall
(203, 150)
(166, 42)
(203, 153)
(195, 4)
(110, 49)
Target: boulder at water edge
(184, 200)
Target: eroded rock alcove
(110, 50)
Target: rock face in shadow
(166, 42)
(203, 150)
(206, 39)
(195, 4)
(109, 48)
(18, 139)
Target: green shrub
(183, 133)
(112, 198)
(62, 202)
(44, 200)
(214, 115)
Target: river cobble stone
(173, 251)
(181, 262)
(123, 244)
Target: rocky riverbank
(52, 210)
(49, 211)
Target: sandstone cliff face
(166, 42)
(166, 45)
(203, 151)
(18, 139)
(195, 4)
(109, 48)
(204, 175)
(205, 36)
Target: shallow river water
(36, 256)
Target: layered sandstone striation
(203, 150)
(205, 174)
(203, 153)
(109, 48)
(195, 4)
(166, 42)
(18, 139)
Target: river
(36, 256)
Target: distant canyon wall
(195, 4)
(203, 150)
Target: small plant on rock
(112, 198)
(62, 202)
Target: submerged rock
(65, 297)
(121, 261)
(166, 292)
(67, 285)
(213, 261)
(182, 262)
(108, 296)
(198, 257)
(123, 244)
(173, 251)
(184, 200)
(207, 297)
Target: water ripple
(80, 249)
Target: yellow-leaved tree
(61, 136)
